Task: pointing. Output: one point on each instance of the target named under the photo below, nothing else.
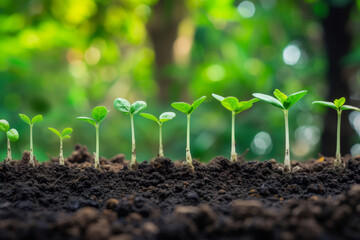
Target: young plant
(64, 134)
(124, 106)
(283, 102)
(12, 136)
(26, 119)
(339, 106)
(232, 104)
(98, 115)
(164, 117)
(188, 110)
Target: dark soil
(163, 200)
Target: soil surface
(164, 200)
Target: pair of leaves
(64, 134)
(232, 103)
(338, 105)
(281, 101)
(26, 119)
(187, 108)
(98, 114)
(124, 106)
(12, 134)
(164, 117)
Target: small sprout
(26, 119)
(64, 134)
(339, 106)
(124, 106)
(188, 110)
(164, 117)
(12, 136)
(98, 115)
(232, 104)
(283, 102)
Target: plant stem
(338, 161)
(8, 151)
(188, 154)
(287, 165)
(61, 158)
(233, 156)
(133, 148)
(31, 161)
(97, 162)
(161, 151)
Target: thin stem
(233, 156)
(61, 158)
(8, 151)
(287, 165)
(188, 154)
(161, 151)
(97, 162)
(338, 162)
(133, 147)
(31, 162)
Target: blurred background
(61, 58)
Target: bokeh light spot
(291, 54)
(246, 9)
(261, 144)
(215, 72)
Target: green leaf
(166, 116)
(244, 105)
(339, 102)
(66, 131)
(182, 107)
(4, 125)
(230, 103)
(66, 136)
(269, 99)
(122, 105)
(37, 118)
(13, 135)
(87, 119)
(25, 118)
(137, 107)
(197, 103)
(326, 104)
(293, 98)
(55, 131)
(99, 113)
(348, 107)
(218, 97)
(150, 116)
(280, 96)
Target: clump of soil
(164, 200)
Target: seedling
(124, 106)
(98, 115)
(339, 106)
(188, 110)
(283, 102)
(232, 104)
(26, 119)
(164, 117)
(64, 134)
(12, 136)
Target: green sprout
(188, 110)
(124, 106)
(339, 106)
(64, 134)
(12, 136)
(98, 115)
(283, 102)
(164, 117)
(26, 119)
(232, 104)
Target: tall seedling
(232, 104)
(339, 106)
(124, 106)
(283, 102)
(164, 117)
(26, 119)
(11, 135)
(64, 134)
(98, 115)
(188, 110)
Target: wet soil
(164, 200)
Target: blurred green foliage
(61, 58)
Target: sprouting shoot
(11, 136)
(64, 134)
